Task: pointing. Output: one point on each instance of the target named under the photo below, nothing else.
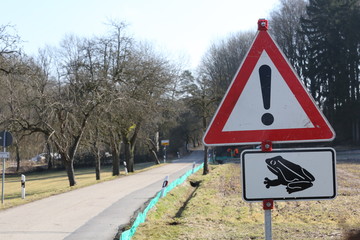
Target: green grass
(47, 183)
(216, 210)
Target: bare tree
(148, 78)
(222, 60)
(9, 48)
(285, 28)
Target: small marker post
(125, 168)
(165, 183)
(23, 179)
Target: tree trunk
(69, 165)
(153, 147)
(115, 160)
(129, 146)
(129, 156)
(206, 165)
(156, 159)
(97, 165)
(17, 157)
(50, 156)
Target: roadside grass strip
(141, 217)
(211, 207)
(44, 184)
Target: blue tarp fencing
(141, 217)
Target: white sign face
(4, 155)
(289, 174)
(266, 100)
(284, 106)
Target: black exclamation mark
(265, 81)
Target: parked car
(38, 158)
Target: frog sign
(293, 176)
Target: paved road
(348, 155)
(90, 213)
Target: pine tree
(333, 59)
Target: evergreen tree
(333, 59)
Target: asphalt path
(94, 212)
(348, 155)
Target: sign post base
(268, 204)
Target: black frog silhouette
(293, 176)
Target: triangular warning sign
(266, 101)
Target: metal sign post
(164, 154)
(3, 171)
(165, 143)
(6, 139)
(268, 204)
(3, 181)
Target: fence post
(163, 189)
(23, 179)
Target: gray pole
(3, 173)
(164, 154)
(268, 232)
(268, 205)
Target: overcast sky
(180, 28)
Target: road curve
(93, 212)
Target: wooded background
(114, 95)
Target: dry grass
(215, 210)
(47, 183)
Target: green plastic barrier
(141, 217)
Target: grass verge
(215, 210)
(47, 183)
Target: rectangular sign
(4, 155)
(165, 142)
(289, 174)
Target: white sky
(180, 28)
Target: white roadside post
(125, 168)
(23, 179)
(193, 167)
(164, 154)
(165, 183)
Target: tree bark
(129, 155)
(17, 157)
(206, 165)
(97, 165)
(115, 160)
(156, 159)
(69, 165)
(50, 156)
(153, 149)
(129, 145)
